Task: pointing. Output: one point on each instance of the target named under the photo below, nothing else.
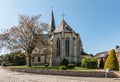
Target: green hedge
(89, 63)
(71, 66)
(63, 68)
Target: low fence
(65, 72)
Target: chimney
(117, 46)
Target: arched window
(67, 46)
(58, 47)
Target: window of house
(58, 47)
(38, 59)
(67, 46)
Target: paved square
(9, 76)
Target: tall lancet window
(67, 46)
(58, 47)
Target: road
(10, 76)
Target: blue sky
(97, 21)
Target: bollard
(107, 71)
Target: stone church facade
(66, 43)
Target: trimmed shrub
(83, 62)
(111, 61)
(46, 65)
(71, 66)
(89, 63)
(63, 68)
(64, 62)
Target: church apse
(66, 43)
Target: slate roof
(63, 26)
(101, 54)
(105, 53)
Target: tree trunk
(29, 63)
(29, 60)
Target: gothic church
(66, 43)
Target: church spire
(52, 22)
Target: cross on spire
(52, 7)
(63, 15)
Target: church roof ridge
(63, 26)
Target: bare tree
(26, 35)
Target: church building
(66, 43)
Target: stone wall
(66, 73)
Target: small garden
(86, 65)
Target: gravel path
(9, 76)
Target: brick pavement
(9, 76)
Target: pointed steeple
(52, 22)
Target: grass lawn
(53, 68)
(43, 67)
(17, 66)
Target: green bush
(63, 68)
(14, 59)
(83, 62)
(89, 63)
(71, 66)
(64, 62)
(46, 65)
(111, 61)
